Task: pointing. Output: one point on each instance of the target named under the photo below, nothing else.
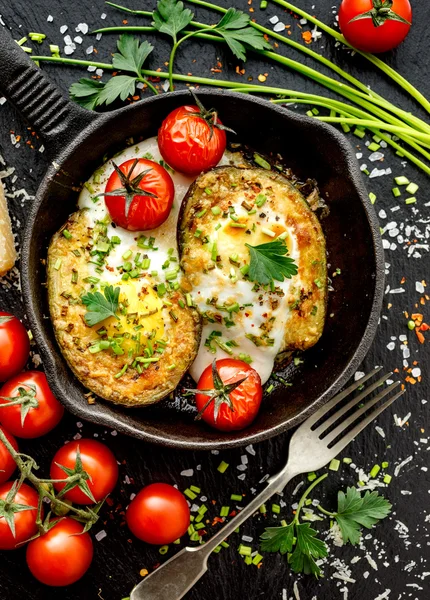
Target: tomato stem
(306, 494)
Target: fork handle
(178, 575)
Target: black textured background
(402, 562)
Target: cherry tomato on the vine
(98, 462)
(62, 555)
(14, 346)
(146, 198)
(39, 411)
(7, 464)
(373, 26)
(24, 520)
(229, 407)
(159, 514)
(190, 139)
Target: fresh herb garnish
(355, 511)
(131, 56)
(171, 17)
(270, 262)
(302, 544)
(101, 307)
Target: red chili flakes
(403, 280)
(307, 37)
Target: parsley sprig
(301, 543)
(101, 307)
(130, 58)
(171, 18)
(270, 262)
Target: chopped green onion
(263, 509)
(223, 466)
(347, 460)
(163, 549)
(236, 498)
(410, 200)
(216, 210)
(245, 357)
(257, 559)
(121, 373)
(201, 213)
(263, 4)
(173, 315)
(346, 128)
(375, 470)
(57, 264)
(203, 509)
(387, 479)
(262, 162)
(248, 560)
(161, 289)
(217, 549)
(245, 550)
(198, 233)
(396, 192)
(238, 225)
(311, 476)
(260, 200)
(214, 252)
(384, 465)
(412, 188)
(190, 494)
(244, 270)
(359, 133)
(276, 509)
(195, 489)
(402, 180)
(171, 367)
(318, 283)
(224, 511)
(67, 234)
(127, 255)
(334, 465)
(74, 276)
(268, 232)
(208, 191)
(411, 325)
(372, 197)
(115, 239)
(373, 147)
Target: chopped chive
(74, 276)
(127, 266)
(238, 225)
(346, 128)
(127, 255)
(216, 210)
(194, 537)
(208, 191)
(375, 470)
(312, 476)
(260, 200)
(236, 498)
(309, 113)
(173, 315)
(257, 559)
(203, 509)
(189, 299)
(245, 550)
(262, 162)
(276, 509)
(246, 358)
(334, 465)
(412, 188)
(384, 465)
(359, 133)
(372, 197)
(145, 263)
(373, 147)
(222, 467)
(268, 232)
(410, 200)
(248, 560)
(396, 192)
(263, 509)
(224, 511)
(263, 4)
(318, 283)
(217, 549)
(401, 180)
(178, 541)
(161, 289)
(201, 213)
(214, 252)
(121, 373)
(198, 526)
(198, 233)
(225, 545)
(347, 460)
(67, 234)
(163, 549)
(57, 264)
(171, 274)
(190, 494)
(125, 276)
(387, 479)
(195, 489)
(244, 270)
(171, 367)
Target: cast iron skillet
(76, 141)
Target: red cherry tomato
(25, 521)
(97, 460)
(364, 34)
(7, 464)
(159, 514)
(246, 398)
(14, 346)
(188, 143)
(45, 410)
(144, 212)
(61, 556)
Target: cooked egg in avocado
(225, 209)
(138, 355)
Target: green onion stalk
(292, 96)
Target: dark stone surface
(118, 557)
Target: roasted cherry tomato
(14, 346)
(98, 462)
(139, 194)
(375, 25)
(39, 411)
(159, 514)
(61, 556)
(25, 520)
(230, 405)
(191, 139)
(7, 464)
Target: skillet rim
(355, 177)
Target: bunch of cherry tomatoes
(62, 554)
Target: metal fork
(309, 451)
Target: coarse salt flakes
(100, 535)
(83, 28)
(68, 49)
(63, 29)
(78, 39)
(103, 16)
(2, 100)
(187, 473)
(416, 372)
(99, 72)
(250, 450)
(279, 27)
(99, 36)
(380, 431)
(89, 50)
(274, 20)
(419, 287)
(91, 68)
(376, 156)
(49, 18)
(382, 214)
(358, 375)
(391, 346)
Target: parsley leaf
(356, 511)
(269, 262)
(101, 307)
(278, 539)
(235, 29)
(130, 57)
(171, 17)
(308, 549)
(132, 54)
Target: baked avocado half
(137, 356)
(225, 211)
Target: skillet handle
(57, 120)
